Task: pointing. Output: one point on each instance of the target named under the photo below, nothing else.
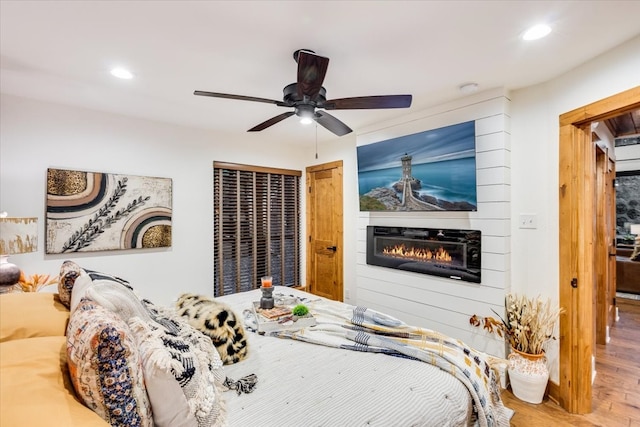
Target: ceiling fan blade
(311, 71)
(332, 124)
(272, 121)
(240, 97)
(368, 102)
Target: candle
(266, 281)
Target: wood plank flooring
(616, 391)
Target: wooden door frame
(604, 262)
(577, 185)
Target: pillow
(182, 370)
(73, 277)
(218, 321)
(31, 314)
(69, 272)
(35, 387)
(105, 366)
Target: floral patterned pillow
(105, 366)
(69, 272)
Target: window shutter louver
(256, 227)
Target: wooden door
(576, 247)
(324, 230)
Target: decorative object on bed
(105, 366)
(92, 211)
(281, 317)
(433, 170)
(527, 327)
(300, 310)
(182, 370)
(217, 321)
(266, 300)
(17, 236)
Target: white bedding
(302, 384)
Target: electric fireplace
(454, 254)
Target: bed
(66, 352)
(325, 381)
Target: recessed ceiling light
(468, 88)
(122, 73)
(537, 32)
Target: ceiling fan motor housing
(304, 107)
(292, 98)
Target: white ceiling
(62, 51)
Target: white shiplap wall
(439, 303)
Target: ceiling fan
(308, 97)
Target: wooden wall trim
(250, 168)
(614, 105)
(324, 166)
(553, 392)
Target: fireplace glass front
(454, 254)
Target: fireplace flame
(418, 254)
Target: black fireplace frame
(470, 271)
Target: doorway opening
(577, 246)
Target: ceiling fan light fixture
(536, 32)
(306, 120)
(122, 73)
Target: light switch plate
(528, 221)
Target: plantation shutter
(256, 227)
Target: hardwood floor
(616, 391)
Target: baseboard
(553, 391)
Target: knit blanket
(363, 329)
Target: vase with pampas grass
(527, 326)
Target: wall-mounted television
(434, 170)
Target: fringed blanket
(362, 329)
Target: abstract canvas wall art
(95, 211)
(433, 170)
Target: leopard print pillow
(217, 321)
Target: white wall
(627, 158)
(428, 301)
(35, 136)
(534, 156)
